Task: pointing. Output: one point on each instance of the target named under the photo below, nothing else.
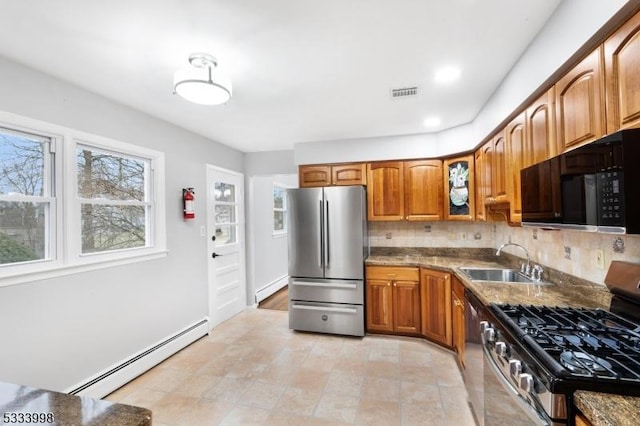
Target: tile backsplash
(572, 252)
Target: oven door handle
(513, 392)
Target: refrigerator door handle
(349, 286)
(321, 235)
(325, 308)
(327, 242)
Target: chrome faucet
(526, 270)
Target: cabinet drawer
(392, 273)
(333, 318)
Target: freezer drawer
(330, 318)
(333, 291)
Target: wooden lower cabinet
(393, 299)
(581, 420)
(435, 310)
(457, 319)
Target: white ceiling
(302, 70)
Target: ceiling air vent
(404, 92)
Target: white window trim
(68, 259)
(285, 231)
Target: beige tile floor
(253, 370)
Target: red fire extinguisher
(188, 203)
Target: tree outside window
(25, 197)
(113, 192)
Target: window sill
(61, 271)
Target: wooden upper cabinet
(459, 187)
(479, 178)
(580, 110)
(541, 129)
(516, 136)
(499, 180)
(310, 176)
(349, 174)
(385, 191)
(423, 190)
(622, 76)
(487, 172)
(332, 174)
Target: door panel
(304, 211)
(225, 250)
(345, 232)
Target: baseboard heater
(116, 376)
(271, 288)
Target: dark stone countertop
(20, 402)
(603, 409)
(563, 289)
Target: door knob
(214, 255)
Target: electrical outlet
(600, 259)
(388, 235)
(427, 228)
(463, 235)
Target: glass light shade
(201, 86)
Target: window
(73, 200)
(113, 190)
(279, 209)
(27, 205)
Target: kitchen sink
(498, 275)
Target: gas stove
(542, 355)
(579, 343)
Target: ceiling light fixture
(447, 74)
(201, 85)
(432, 122)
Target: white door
(225, 223)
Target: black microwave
(595, 187)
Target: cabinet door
(385, 191)
(580, 103)
(406, 306)
(516, 154)
(349, 174)
(423, 190)
(479, 177)
(622, 75)
(487, 175)
(379, 305)
(311, 176)
(459, 187)
(457, 321)
(435, 305)
(541, 131)
(499, 181)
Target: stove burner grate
(581, 363)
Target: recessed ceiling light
(432, 122)
(447, 74)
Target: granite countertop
(603, 409)
(26, 405)
(562, 289)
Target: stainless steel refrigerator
(328, 244)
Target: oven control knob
(489, 334)
(483, 326)
(515, 367)
(526, 382)
(501, 348)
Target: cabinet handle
(389, 283)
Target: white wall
(571, 25)
(267, 252)
(57, 333)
